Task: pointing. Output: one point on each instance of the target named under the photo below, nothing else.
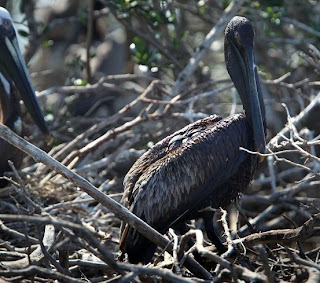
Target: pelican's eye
(6, 23)
(238, 38)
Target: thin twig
(297, 121)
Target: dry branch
(37, 255)
(296, 121)
(301, 233)
(33, 270)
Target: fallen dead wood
(37, 255)
(301, 233)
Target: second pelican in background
(14, 80)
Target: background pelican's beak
(13, 67)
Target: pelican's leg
(207, 216)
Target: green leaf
(80, 82)
(47, 43)
(140, 44)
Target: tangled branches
(275, 235)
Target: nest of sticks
(51, 229)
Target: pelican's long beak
(13, 67)
(256, 110)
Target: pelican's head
(13, 69)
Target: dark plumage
(201, 165)
(14, 79)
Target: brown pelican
(201, 165)
(14, 79)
